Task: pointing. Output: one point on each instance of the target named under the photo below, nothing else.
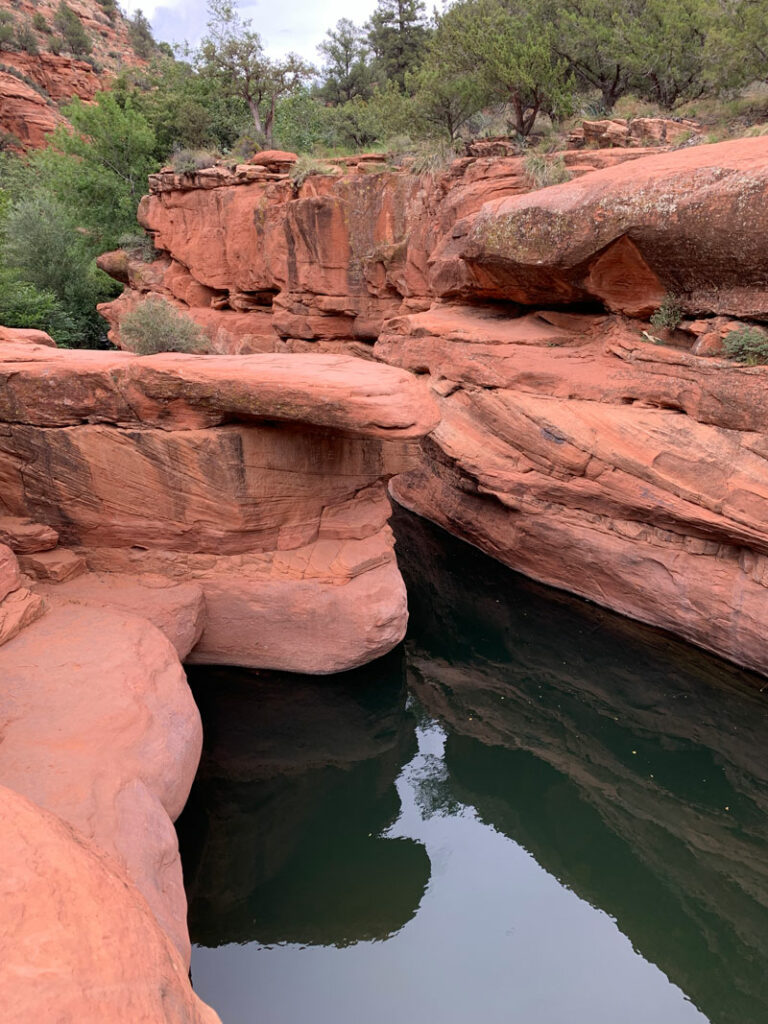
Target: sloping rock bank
(570, 446)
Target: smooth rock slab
(79, 945)
(99, 727)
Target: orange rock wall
(259, 478)
(571, 446)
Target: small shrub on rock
(155, 326)
(26, 39)
(39, 22)
(77, 40)
(543, 171)
(189, 161)
(669, 314)
(138, 247)
(748, 345)
(307, 165)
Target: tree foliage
(232, 55)
(346, 66)
(398, 35)
(72, 31)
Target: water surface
(535, 812)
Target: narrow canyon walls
(577, 443)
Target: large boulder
(99, 727)
(78, 942)
(258, 479)
(690, 222)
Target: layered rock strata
(570, 446)
(261, 479)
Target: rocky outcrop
(27, 115)
(32, 85)
(260, 479)
(264, 265)
(99, 727)
(639, 131)
(571, 446)
(79, 943)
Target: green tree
(140, 34)
(346, 72)
(184, 109)
(71, 28)
(398, 34)
(44, 250)
(665, 44)
(511, 50)
(444, 99)
(100, 168)
(737, 44)
(232, 54)
(588, 39)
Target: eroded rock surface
(78, 942)
(100, 728)
(571, 446)
(258, 478)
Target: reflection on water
(538, 813)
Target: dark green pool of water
(535, 812)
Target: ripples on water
(535, 812)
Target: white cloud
(298, 25)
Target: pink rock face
(628, 473)
(78, 942)
(318, 266)
(569, 447)
(25, 536)
(687, 222)
(19, 607)
(176, 609)
(258, 479)
(20, 335)
(100, 728)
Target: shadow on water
(633, 768)
(281, 836)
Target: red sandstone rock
(358, 249)
(25, 113)
(20, 335)
(258, 479)
(58, 565)
(640, 131)
(620, 235)
(176, 609)
(10, 577)
(18, 606)
(99, 727)
(17, 611)
(24, 536)
(31, 115)
(273, 157)
(562, 451)
(78, 942)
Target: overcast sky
(284, 25)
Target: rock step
(56, 566)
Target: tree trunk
(253, 106)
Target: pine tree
(398, 35)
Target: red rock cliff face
(571, 447)
(261, 479)
(28, 113)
